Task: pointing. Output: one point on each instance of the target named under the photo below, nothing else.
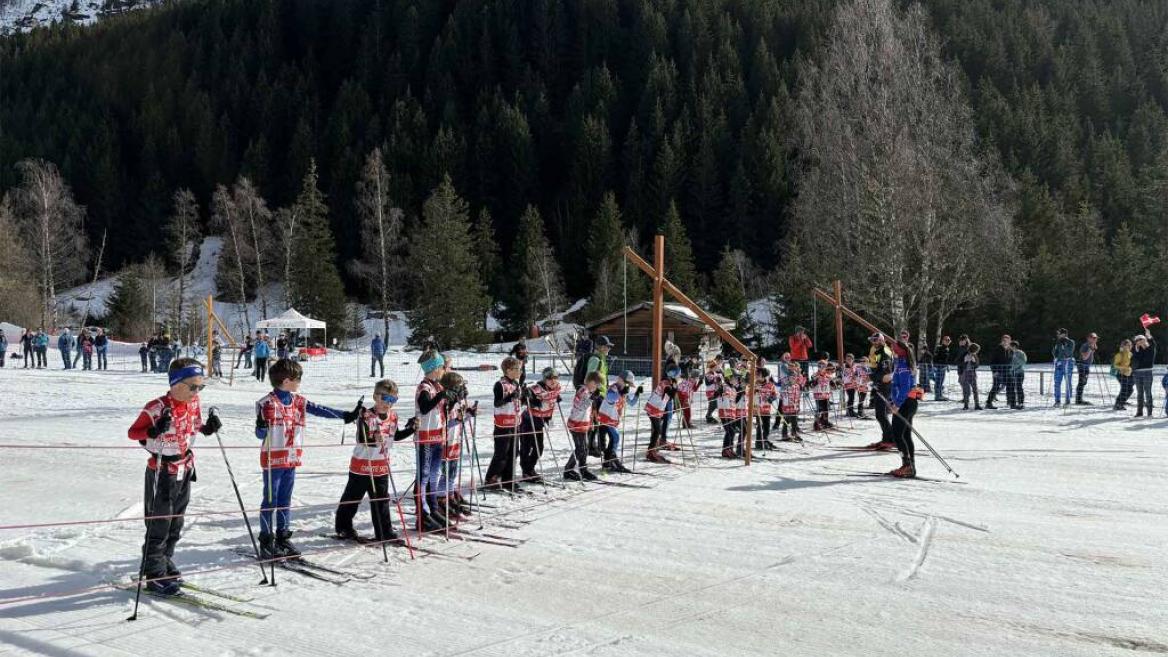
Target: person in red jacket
(800, 346)
(166, 427)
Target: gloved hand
(412, 423)
(351, 416)
(261, 423)
(559, 398)
(212, 425)
(161, 425)
(473, 409)
(640, 389)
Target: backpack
(580, 371)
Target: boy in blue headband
(166, 427)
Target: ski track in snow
(1053, 547)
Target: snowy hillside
(23, 15)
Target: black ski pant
(1018, 379)
(791, 421)
(1143, 380)
(902, 430)
(731, 430)
(162, 533)
(880, 410)
(502, 465)
(711, 406)
(1084, 373)
(579, 455)
(377, 488)
(261, 368)
(1001, 382)
(863, 399)
(378, 362)
(762, 429)
(851, 396)
(530, 443)
(822, 409)
(656, 432)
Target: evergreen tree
(537, 285)
(728, 293)
(128, 313)
(679, 258)
(182, 244)
(315, 287)
(452, 301)
(487, 251)
(605, 240)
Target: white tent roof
(290, 320)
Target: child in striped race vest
(377, 428)
(580, 420)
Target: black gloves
(474, 409)
(412, 423)
(452, 396)
(640, 389)
(160, 425)
(559, 399)
(351, 416)
(212, 425)
(261, 423)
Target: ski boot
(284, 545)
(268, 547)
(672, 447)
(906, 471)
(349, 534)
(173, 572)
(572, 475)
(654, 456)
(766, 444)
(728, 453)
(587, 475)
(164, 587)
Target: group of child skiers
(168, 426)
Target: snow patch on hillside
(24, 15)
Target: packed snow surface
(1052, 542)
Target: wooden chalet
(681, 327)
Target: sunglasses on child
(389, 399)
(196, 388)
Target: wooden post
(684, 300)
(839, 322)
(658, 305)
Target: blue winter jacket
(262, 350)
(378, 347)
(65, 342)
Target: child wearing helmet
(656, 408)
(542, 402)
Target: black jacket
(941, 355)
(1143, 359)
(1000, 356)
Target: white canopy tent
(291, 319)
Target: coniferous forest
(603, 121)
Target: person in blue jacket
(377, 347)
(260, 354)
(65, 344)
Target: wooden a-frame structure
(661, 284)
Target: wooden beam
(658, 305)
(839, 322)
(847, 311)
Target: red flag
(1147, 320)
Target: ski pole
(373, 492)
(400, 514)
(916, 433)
(474, 447)
(158, 464)
(213, 412)
(572, 456)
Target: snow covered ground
(1051, 544)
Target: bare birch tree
(896, 199)
(226, 217)
(53, 225)
(257, 218)
(381, 226)
(183, 233)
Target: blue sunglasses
(389, 399)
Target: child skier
(166, 427)
(612, 410)
(713, 381)
(580, 420)
(430, 404)
(863, 383)
(790, 396)
(728, 396)
(821, 386)
(848, 379)
(765, 395)
(377, 428)
(655, 407)
(509, 397)
(280, 422)
(542, 403)
(686, 387)
(451, 503)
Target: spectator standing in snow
(924, 365)
(942, 356)
(65, 343)
(1017, 375)
(42, 349)
(101, 347)
(377, 350)
(26, 345)
(144, 354)
(1086, 356)
(282, 347)
(1000, 360)
(85, 350)
(245, 354)
(1143, 359)
(799, 344)
(261, 352)
(1063, 355)
(81, 339)
(968, 376)
(1121, 364)
(3, 347)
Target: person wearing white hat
(1143, 359)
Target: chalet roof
(674, 311)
